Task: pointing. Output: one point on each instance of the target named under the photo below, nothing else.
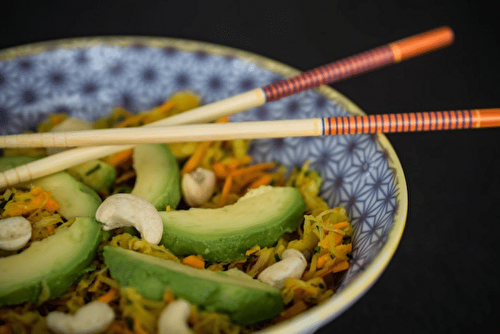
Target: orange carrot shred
(296, 308)
(165, 106)
(337, 238)
(265, 179)
(195, 261)
(224, 119)
(108, 296)
(236, 162)
(340, 266)
(340, 225)
(125, 176)
(51, 205)
(322, 259)
(254, 168)
(219, 169)
(196, 157)
(119, 157)
(225, 191)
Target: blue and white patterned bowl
(87, 77)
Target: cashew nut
(198, 186)
(293, 264)
(15, 232)
(122, 210)
(93, 317)
(69, 124)
(173, 319)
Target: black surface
(443, 277)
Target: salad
(195, 235)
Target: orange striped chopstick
(412, 122)
(386, 123)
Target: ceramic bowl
(87, 77)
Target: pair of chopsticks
(120, 139)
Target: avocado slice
(260, 217)
(96, 174)
(245, 300)
(157, 175)
(48, 267)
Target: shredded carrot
(296, 308)
(343, 249)
(119, 157)
(340, 225)
(108, 296)
(254, 168)
(36, 191)
(335, 268)
(195, 261)
(50, 229)
(195, 159)
(225, 191)
(337, 238)
(219, 169)
(322, 259)
(340, 266)
(236, 162)
(125, 176)
(265, 179)
(245, 179)
(51, 205)
(224, 119)
(165, 106)
(148, 116)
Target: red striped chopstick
(391, 53)
(387, 123)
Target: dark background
(443, 277)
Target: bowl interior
(87, 77)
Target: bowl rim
(318, 316)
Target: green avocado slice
(260, 217)
(48, 267)
(245, 300)
(157, 175)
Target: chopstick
(386, 123)
(395, 52)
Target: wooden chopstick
(387, 123)
(388, 54)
